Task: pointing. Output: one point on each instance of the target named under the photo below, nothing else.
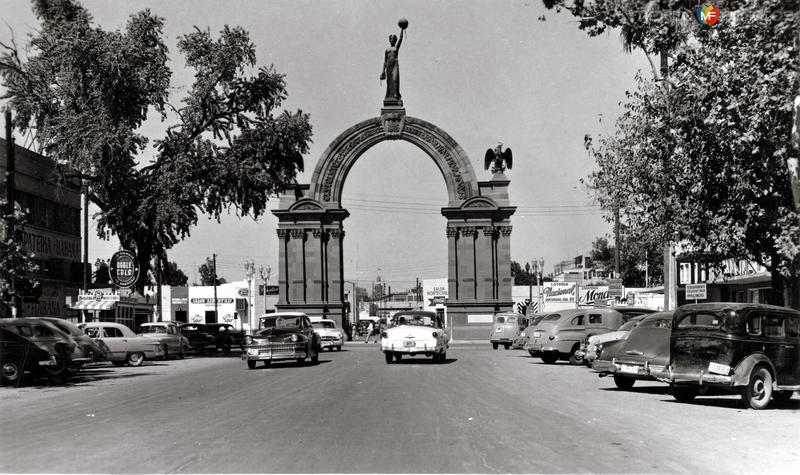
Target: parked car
(593, 345)
(200, 340)
(121, 344)
(414, 333)
(169, 335)
(506, 328)
(646, 348)
(19, 355)
(559, 335)
(524, 335)
(749, 348)
(88, 347)
(226, 336)
(69, 356)
(282, 336)
(329, 336)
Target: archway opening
(395, 232)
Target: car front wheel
(684, 393)
(624, 382)
(398, 357)
(251, 364)
(494, 346)
(758, 391)
(549, 358)
(388, 357)
(135, 359)
(11, 372)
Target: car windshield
(153, 329)
(322, 324)
(281, 322)
(414, 319)
(553, 317)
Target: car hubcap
(758, 389)
(9, 371)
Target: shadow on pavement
(735, 402)
(289, 364)
(640, 389)
(424, 361)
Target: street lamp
(250, 269)
(538, 268)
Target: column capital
(282, 233)
(504, 230)
(298, 233)
(318, 233)
(470, 231)
(451, 232)
(337, 233)
(489, 231)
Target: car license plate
(537, 334)
(409, 343)
(628, 369)
(717, 368)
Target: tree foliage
(172, 275)
(207, 272)
(101, 275)
(701, 158)
(17, 266)
(639, 266)
(84, 92)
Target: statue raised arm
(391, 67)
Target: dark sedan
(282, 336)
(18, 356)
(645, 349)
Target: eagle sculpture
(499, 160)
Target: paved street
(483, 411)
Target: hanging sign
(124, 269)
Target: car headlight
(434, 334)
(384, 335)
(522, 334)
(248, 340)
(294, 337)
(341, 335)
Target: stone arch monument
(312, 237)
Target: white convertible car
(415, 333)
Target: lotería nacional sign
(124, 269)
(559, 291)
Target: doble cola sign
(124, 269)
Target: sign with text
(124, 269)
(696, 292)
(614, 288)
(559, 291)
(434, 293)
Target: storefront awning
(94, 305)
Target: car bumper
(417, 349)
(331, 343)
(666, 375)
(275, 352)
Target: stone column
(504, 262)
(466, 263)
(452, 267)
(335, 270)
(283, 270)
(485, 264)
(314, 277)
(297, 266)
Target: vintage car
(200, 340)
(749, 348)
(646, 348)
(88, 346)
(559, 335)
(19, 356)
(506, 328)
(169, 335)
(68, 354)
(593, 345)
(226, 336)
(329, 336)
(282, 336)
(413, 333)
(121, 345)
(533, 320)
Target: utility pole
(250, 269)
(529, 269)
(11, 168)
(616, 242)
(265, 279)
(670, 283)
(216, 317)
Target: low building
(52, 232)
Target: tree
(16, 264)
(639, 266)
(703, 161)
(522, 275)
(101, 275)
(207, 272)
(83, 92)
(171, 275)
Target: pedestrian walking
(370, 332)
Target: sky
(485, 71)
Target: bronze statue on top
(391, 67)
(498, 159)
